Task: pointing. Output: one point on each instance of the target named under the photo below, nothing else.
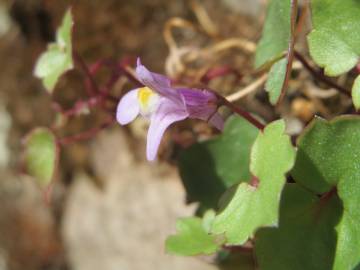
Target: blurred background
(110, 208)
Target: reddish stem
(90, 83)
(326, 196)
(86, 134)
(321, 77)
(254, 181)
(290, 52)
(246, 115)
(216, 72)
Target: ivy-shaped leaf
(334, 42)
(328, 157)
(41, 155)
(277, 38)
(252, 207)
(276, 33)
(306, 236)
(356, 93)
(193, 237)
(58, 58)
(218, 163)
(276, 80)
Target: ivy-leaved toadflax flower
(163, 105)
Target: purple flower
(164, 105)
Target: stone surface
(123, 225)
(28, 238)
(5, 122)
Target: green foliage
(328, 157)
(252, 207)
(327, 153)
(356, 93)
(334, 42)
(306, 237)
(274, 42)
(310, 224)
(193, 237)
(276, 80)
(276, 33)
(218, 163)
(41, 155)
(58, 58)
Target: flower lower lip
(148, 100)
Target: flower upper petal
(157, 82)
(201, 104)
(167, 113)
(128, 107)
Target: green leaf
(276, 79)
(41, 155)
(334, 42)
(192, 237)
(276, 33)
(328, 157)
(64, 32)
(306, 236)
(252, 207)
(58, 58)
(207, 169)
(328, 152)
(348, 249)
(356, 93)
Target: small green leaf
(192, 238)
(217, 164)
(276, 33)
(356, 93)
(334, 42)
(58, 58)
(41, 155)
(276, 79)
(328, 157)
(252, 207)
(63, 34)
(306, 236)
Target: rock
(28, 238)
(5, 122)
(246, 7)
(124, 224)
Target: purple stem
(290, 52)
(90, 83)
(321, 77)
(246, 115)
(86, 134)
(216, 72)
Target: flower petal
(128, 107)
(201, 104)
(217, 121)
(167, 113)
(157, 82)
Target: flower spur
(164, 105)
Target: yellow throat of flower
(147, 99)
